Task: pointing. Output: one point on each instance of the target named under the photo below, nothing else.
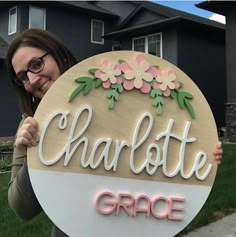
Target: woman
(35, 60)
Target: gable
(142, 16)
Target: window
(97, 30)
(116, 47)
(151, 44)
(12, 23)
(37, 18)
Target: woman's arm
(21, 197)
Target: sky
(189, 6)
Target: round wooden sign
(125, 149)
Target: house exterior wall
(231, 72)
(9, 116)
(231, 55)
(144, 16)
(169, 44)
(78, 32)
(205, 51)
(4, 23)
(77, 25)
(122, 8)
(184, 48)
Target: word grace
(160, 207)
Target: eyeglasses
(35, 66)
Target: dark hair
(43, 40)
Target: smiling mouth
(44, 86)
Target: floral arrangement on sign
(136, 74)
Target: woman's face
(38, 83)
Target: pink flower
(138, 74)
(166, 81)
(109, 73)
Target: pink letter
(175, 208)
(162, 215)
(125, 203)
(110, 204)
(144, 208)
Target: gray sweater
(21, 197)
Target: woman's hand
(27, 134)
(217, 153)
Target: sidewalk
(225, 227)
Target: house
(229, 11)
(190, 42)
(9, 116)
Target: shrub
(5, 165)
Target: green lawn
(12, 226)
(221, 201)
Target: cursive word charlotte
(150, 163)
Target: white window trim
(97, 42)
(10, 33)
(44, 10)
(146, 42)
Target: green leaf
(180, 99)
(92, 70)
(84, 79)
(122, 76)
(88, 86)
(155, 102)
(159, 109)
(157, 67)
(110, 94)
(98, 83)
(155, 92)
(172, 94)
(182, 95)
(187, 95)
(116, 95)
(120, 61)
(76, 92)
(111, 104)
(114, 86)
(120, 88)
(158, 100)
(190, 109)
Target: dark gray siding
(78, 32)
(9, 116)
(231, 55)
(169, 45)
(59, 20)
(121, 8)
(143, 16)
(201, 55)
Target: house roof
(170, 16)
(88, 6)
(3, 48)
(142, 28)
(169, 12)
(219, 7)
